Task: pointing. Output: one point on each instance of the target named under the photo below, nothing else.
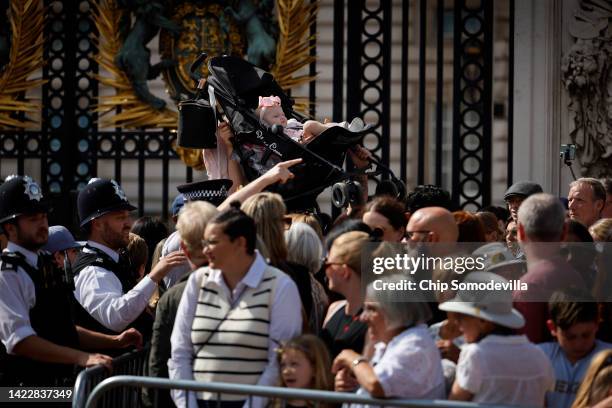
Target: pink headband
(269, 101)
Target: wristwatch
(359, 360)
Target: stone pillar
(538, 92)
(547, 114)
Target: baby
(219, 163)
(271, 113)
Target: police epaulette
(10, 261)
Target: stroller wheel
(345, 193)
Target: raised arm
(280, 173)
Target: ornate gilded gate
(88, 116)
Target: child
(271, 112)
(574, 319)
(496, 366)
(596, 390)
(304, 363)
(137, 253)
(449, 341)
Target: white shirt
(17, 297)
(409, 366)
(285, 323)
(99, 291)
(505, 370)
(172, 244)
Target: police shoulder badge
(32, 190)
(118, 190)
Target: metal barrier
(270, 392)
(131, 363)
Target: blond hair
(602, 230)
(597, 187)
(137, 250)
(309, 219)
(268, 210)
(191, 224)
(349, 247)
(597, 381)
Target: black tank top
(344, 331)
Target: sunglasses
(327, 263)
(410, 234)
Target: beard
(33, 241)
(115, 239)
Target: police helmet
(100, 197)
(20, 195)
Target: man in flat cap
(517, 193)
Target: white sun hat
(491, 305)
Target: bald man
(432, 224)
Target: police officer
(105, 286)
(39, 338)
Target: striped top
(234, 349)
(285, 321)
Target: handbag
(197, 124)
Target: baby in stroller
(270, 112)
(252, 134)
(222, 162)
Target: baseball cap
(60, 239)
(177, 204)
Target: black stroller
(236, 85)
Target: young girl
(304, 363)
(271, 112)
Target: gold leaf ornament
(133, 113)
(25, 58)
(295, 17)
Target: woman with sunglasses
(387, 214)
(342, 328)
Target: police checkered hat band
(212, 191)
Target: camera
(568, 152)
(568, 155)
(345, 193)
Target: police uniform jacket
(102, 292)
(33, 301)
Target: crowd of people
(244, 292)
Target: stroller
(235, 84)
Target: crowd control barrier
(131, 363)
(107, 386)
